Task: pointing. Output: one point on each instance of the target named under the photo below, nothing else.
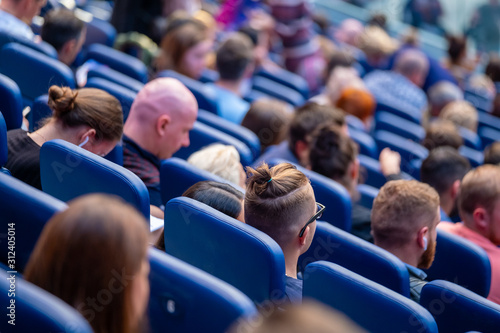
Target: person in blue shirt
(16, 16)
(444, 169)
(280, 202)
(235, 64)
(404, 217)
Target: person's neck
(52, 130)
(232, 86)
(446, 204)
(291, 259)
(406, 255)
(141, 137)
(7, 7)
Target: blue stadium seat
(116, 155)
(177, 175)
(413, 168)
(400, 126)
(39, 111)
(371, 174)
(364, 258)
(471, 139)
(37, 310)
(203, 135)
(350, 293)
(408, 149)
(330, 193)
(209, 76)
(286, 78)
(462, 262)
(41, 46)
(115, 77)
(236, 131)
(254, 95)
(207, 100)
(187, 299)
(124, 95)
(367, 145)
(480, 101)
(487, 120)
(68, 171)
(11, 102)
(367, 195)
(354, 123)
(100, 32)
(118, 61)
(29, 209)
(3, 142)
(475, 157)
(411, 115)
(226, 248)
(33, 72)
(457, 309)
(277, 91)
(489, 135)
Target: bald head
(163, 108)
(413, 64)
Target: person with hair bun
(90, 118)
(93, 256)
(280, 202)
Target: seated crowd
(352, 73)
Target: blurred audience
(442, 93)
(444, 169)
(90, 118)
(462, 114)
(96, 248)
(158, 125)
(414, 242)
(442, 133)
(280, 202)
(478, 204)
(492, 154)
(459, 65)
(359, 103)
(16, 16)
(377, 46)
(270, 120)
(65, 32)
(222, 161)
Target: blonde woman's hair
(219, 159)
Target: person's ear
(481, 218)
(354, 172)
(455, 188)
(303, 239)
(90, 134)
(162, 124)
(301, 150)
(423, 238)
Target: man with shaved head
(157, 126)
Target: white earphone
(425, 243)
(84, 142)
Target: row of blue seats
(201, 236)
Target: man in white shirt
(16, 16)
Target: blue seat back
(206, 98)
(254, 95)
(278, 91)
(177, 175)
(489, 135)
(367, 195)
(3, 141)
(373, 306)
(400, 126)
(29, 210)
(408, 149)
(116, 155)
(187, 299)
(118, 61)
(412, 115)
(331, 194)
(203, 135)
(340, 247)
(286, 78)
(226, 248)
(68, 171)
(471, 139)
(33, 71)
(479, 99)
(11, 103)
(209, 76)
(100, 32)
(46, 312)
(39, 111)
(354, 122)
(236, 131)
(115, 77)
(457, 309)
(371, 174)
(40, 46)
(367, 145)
(124, 95)
(475, 157)
(487, 120)
(462, 262)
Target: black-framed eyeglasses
(319, 212)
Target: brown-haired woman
(185, 47)
(280, 202)
(93, 256)
(88, 117)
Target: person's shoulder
(17, 134)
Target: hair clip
(270, 179)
